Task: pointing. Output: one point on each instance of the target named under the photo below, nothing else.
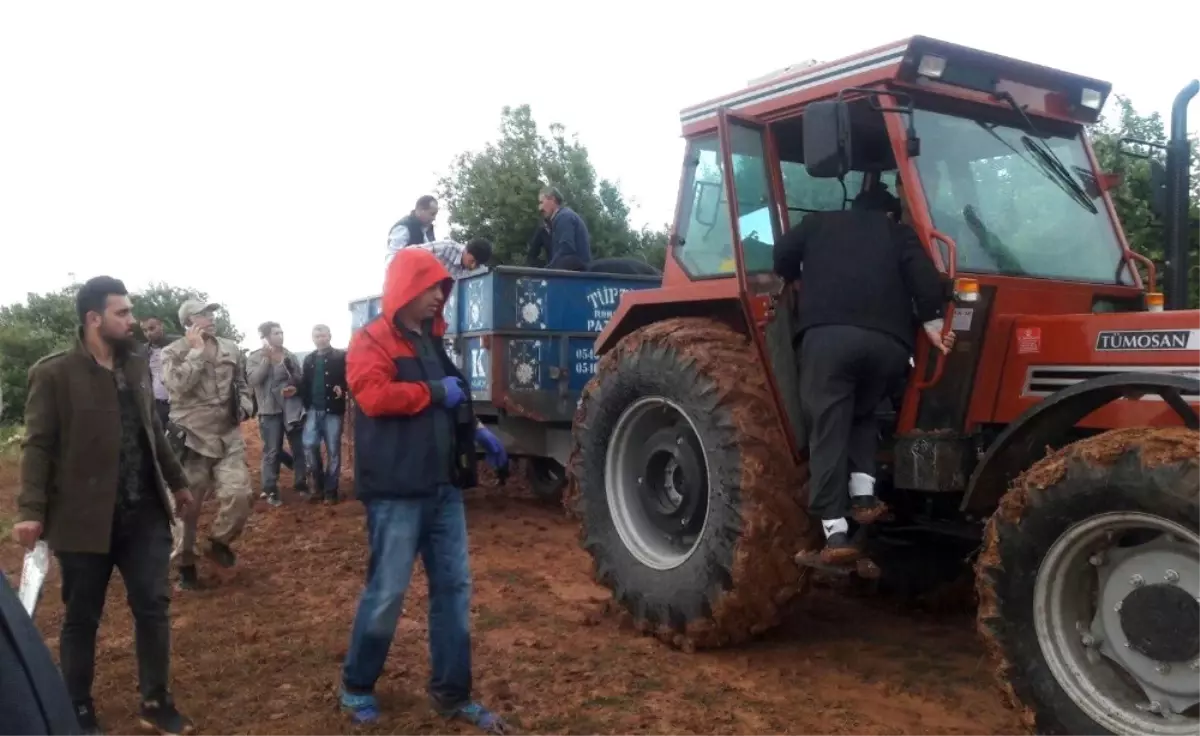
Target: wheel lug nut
(1137, 581)
(1171, 577)
(1162, 668)
(1088, 640)
(1096, 560)
(1117, 608)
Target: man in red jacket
(414, 438)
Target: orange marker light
(1154, 301)
(966, 290)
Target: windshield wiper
(1050, 162)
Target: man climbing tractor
(854, 340)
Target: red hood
(412, 271)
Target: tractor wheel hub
(1162, 622)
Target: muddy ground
(258, 650)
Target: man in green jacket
(99, 482)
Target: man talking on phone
(210, 398)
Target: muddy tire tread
(761, 577)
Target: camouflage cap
(192, 307)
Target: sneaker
(478, 716)
(301, 487)
(274, 499)
(86, 715)
(361, 707)
(221, 553)
(188, 580)
(161, 717)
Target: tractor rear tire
(1087, 584)
(728, 574)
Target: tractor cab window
(703, 217)
(805, 194)
(1000, 193)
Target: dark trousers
(568, 262)
(845, 374)
(141, 550)
(164, 410)
(273, 430)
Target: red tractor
(1055, 445)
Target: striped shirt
(450, 254)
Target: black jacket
(33, 696)
(858, 267)
(335, 375)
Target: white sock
(833, 526)
(861, 484)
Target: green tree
(1132, 196)
(47, 322)
(493, 193)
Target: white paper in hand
(33, 574)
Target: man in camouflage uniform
(206, 380)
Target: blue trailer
(523, 338)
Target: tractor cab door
(752, 187)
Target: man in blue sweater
(570, 244)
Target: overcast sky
(260, 151)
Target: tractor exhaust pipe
(1178, 172)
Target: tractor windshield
(1011, 207)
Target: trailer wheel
(1088, 586)
(547, 478)
(689, 502)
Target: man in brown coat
(99, 482)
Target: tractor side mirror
(1158, 189)
(826, 139)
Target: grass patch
(487, 619)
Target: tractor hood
(1049, 353)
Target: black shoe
(301, 487)
(221, 554)
(188, 579)
(86, 715)
(162, 717)
(332, 498)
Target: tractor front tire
(691, 504)
(1087, 585)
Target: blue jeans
(322, 426)
(397, 530)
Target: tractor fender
(641, 308)
(1024, 441)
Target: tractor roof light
(966, 290)
(1091, 99)
(931, 66)
(1154, 301)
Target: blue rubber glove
(454, 392)
(496, 456)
